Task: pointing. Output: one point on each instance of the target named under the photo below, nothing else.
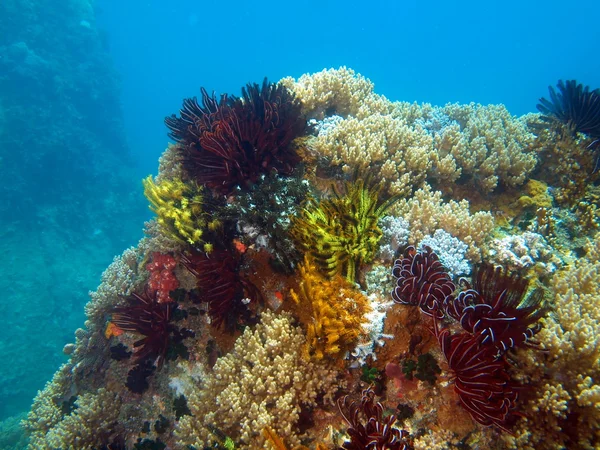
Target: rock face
(63, 166)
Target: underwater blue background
(424, 51)
(159, 53)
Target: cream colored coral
(565, 413)
(118, 281)
(45, 412)
(391, 151)
(484, 143)
(339, 90)
(263, 382)
(426, 212)
(87, 427)
(489, 144)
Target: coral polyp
(231, 142)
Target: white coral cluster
(373, 335)
(450, 250)
(395, 235)
(518, 251)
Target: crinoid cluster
(495, 315)
(180, 211)
(231, 141)
(574, 105)
(221, 285)
(368, 428)
(337, 312)
(342, 233)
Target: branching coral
(488, 144)
(87, 426)
(342, 233)
(367, 426)
(426, 212)
(231, 141)
(336, 312)
(332, 91)
(385, 147)
(180, 211)
(264, 382)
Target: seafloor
(330, 269)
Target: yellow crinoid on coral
(179, 210)
(342, 233)
(334, 312)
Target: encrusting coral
(265, 381)
(333, 312)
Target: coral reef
(403, 144)
(384, 147)
(281, 276)
(488, 145)
(495, 316)
(426, 212)
(562, 411)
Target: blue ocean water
(485, 52)
(82, 104)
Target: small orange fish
(240, 246)
(112, 330)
